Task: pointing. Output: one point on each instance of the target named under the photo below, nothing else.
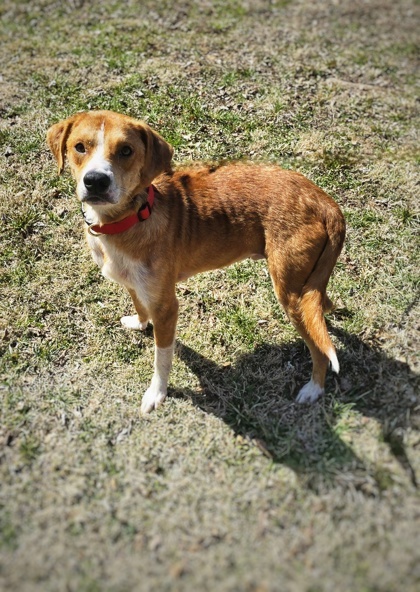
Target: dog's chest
(118, 267)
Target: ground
(230, 485)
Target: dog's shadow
(256, 398)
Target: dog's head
(111, 156)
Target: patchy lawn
(230, 485)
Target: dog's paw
(133, 322)
(152, 398)
(310, 393)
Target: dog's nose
(96, 181)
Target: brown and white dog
(148, 237)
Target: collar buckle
(145, 211)
(126, 223)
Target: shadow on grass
(255, 397)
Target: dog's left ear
(158, 154)
(57, 139)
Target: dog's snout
(96, 181)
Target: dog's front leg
(139, 321)
(164, 319)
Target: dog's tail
(314, 300)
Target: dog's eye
(80, 148)
(126, 151)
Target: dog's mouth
(95, 200)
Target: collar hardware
(126, 223)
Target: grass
(231, 485)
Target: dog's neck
(100, 215)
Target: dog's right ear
(57, 139)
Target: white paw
(310, 392)
(133, 322)
(152, 398)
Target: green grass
(230, 485)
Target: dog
(150, 226)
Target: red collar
(126, 223)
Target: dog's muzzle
(96, 182)
(97, 185)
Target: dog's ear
(57, 139)
(158, 154)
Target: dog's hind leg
(315, 342)
(304, 306)
(308, 318)
(300, 274)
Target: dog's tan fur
(204, 217)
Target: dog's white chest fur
(118, 267)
